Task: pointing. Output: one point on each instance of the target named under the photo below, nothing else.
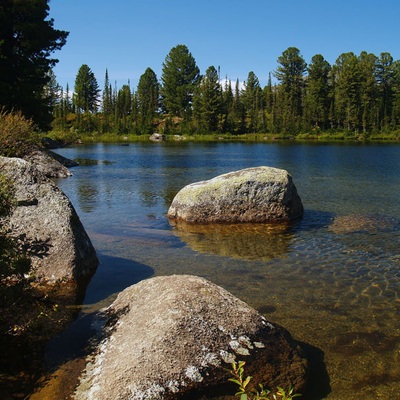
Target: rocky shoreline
(165, 337)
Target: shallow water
(338, 291)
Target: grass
(349, 137)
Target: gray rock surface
(50, 164)
(157, 137)
(173, 336)
(45, 219)
(261, 194)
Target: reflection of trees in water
(247, 241)
(87, 195)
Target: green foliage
(17, 134)
(27, 40)
(180, 77)
(148, 101)
(86, 90)
(357, 97)
(207, 101)
(246, 393)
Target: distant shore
(338, 137)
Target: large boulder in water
(48, 226)
(261, 194)
(172, 338)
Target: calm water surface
(336, 291)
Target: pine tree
(348, 92)
(239, 110)
(124, 108)
(180, 76)
(228, 123)
(27, 40)
(368, 96)
(385, 76)
(253, 102)
(290, 73)
(86, 90)
(208, 101)
(148, 100)
(317, 99)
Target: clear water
(338, 292)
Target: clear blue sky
(127, 36)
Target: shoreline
(343, 138)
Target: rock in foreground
(170, 337)
(48, 225)
(253, 195)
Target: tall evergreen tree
(180, 76)
(290, 73)
(27, 40)
(124, 107)
(368, 95)
(253, 102)
(86, 90)
(317, 100)
(208, 101)
(107, 103)
(269, 95)
(385, 77)
(148, 100)
(228, 124)
(239, 110)
(348, 91)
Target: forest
(357, 96)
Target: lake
(333, 280)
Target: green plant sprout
(239, 378)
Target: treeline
(358, 95)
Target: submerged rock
(253, 195)
(169, 337)
(368, 223)
(47, 224)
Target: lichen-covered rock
(261, 194)
(48, 225)
(169, 337)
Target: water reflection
(248, 241)
(332, 280)
(87, 193)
